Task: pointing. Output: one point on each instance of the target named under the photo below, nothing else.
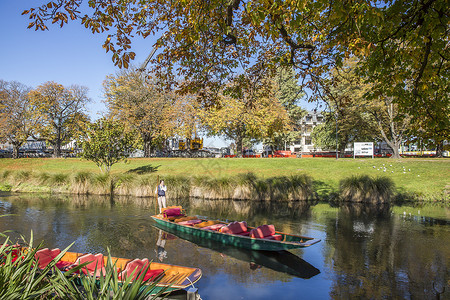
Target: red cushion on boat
(63, 264)
(135, 266)
(246, 233)
(235, 228)
(95, 263)
(152, 274)
(214, 227)
(45, 256)
(172, 212)
(262, 231)
(276, 237)
(190, 222)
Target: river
(365, 252)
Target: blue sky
(68, 55)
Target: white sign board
(363, 149)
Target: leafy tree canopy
(59, 112)
(106, 142)
(139, 102)
(16, 122)
(402, 43)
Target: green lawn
(420, 176)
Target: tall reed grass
(240, 187)
(366, 189)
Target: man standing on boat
(161, 190)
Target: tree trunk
(396, 153)
(439, 149)
(15, 153)
(57, 144)
(57, 148)
(147, 144)
(239, 146)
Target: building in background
(304, 144)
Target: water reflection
(161, 253)
(282, 261)
(366, 252)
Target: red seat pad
(276, 237)
(152, 274)
(45, 256)
(243, 233)
(135, 266)
(95, 263)
(171, 212)
(235, 228)
(190, 222)
(63, 264)
(262, 231)
(214, 227)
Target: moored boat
(280, 261)
(167, 277)
(237, 234)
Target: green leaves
(107, 142)
(22, 279)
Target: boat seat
(45, 256)
(190, 222)
(173, 211)
(206, 224)
(265, 232)
(178, 220)
(214, 227)
(95, 267)
(137, 266)
(245, 233)
(235, 228)
(276, 237)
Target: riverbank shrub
(242, 186)
(366, 189)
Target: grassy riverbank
(426, 179)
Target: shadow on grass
(324, 191)
(144, 169)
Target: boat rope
(190, 282)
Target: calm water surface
(399, 252)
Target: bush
(366, 189)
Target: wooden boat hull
(288, 241)
(280, 261)
(174, 278)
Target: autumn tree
(433, 127)
(60, 111)
(253, 112)
(289, 94)
(344, 92)
(16, 122)
(393, 125)
(207, 42)
(106, 142)
(142, 103)
(361, 113)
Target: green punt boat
(287, 242)
(280, 261)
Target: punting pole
(156, 202)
